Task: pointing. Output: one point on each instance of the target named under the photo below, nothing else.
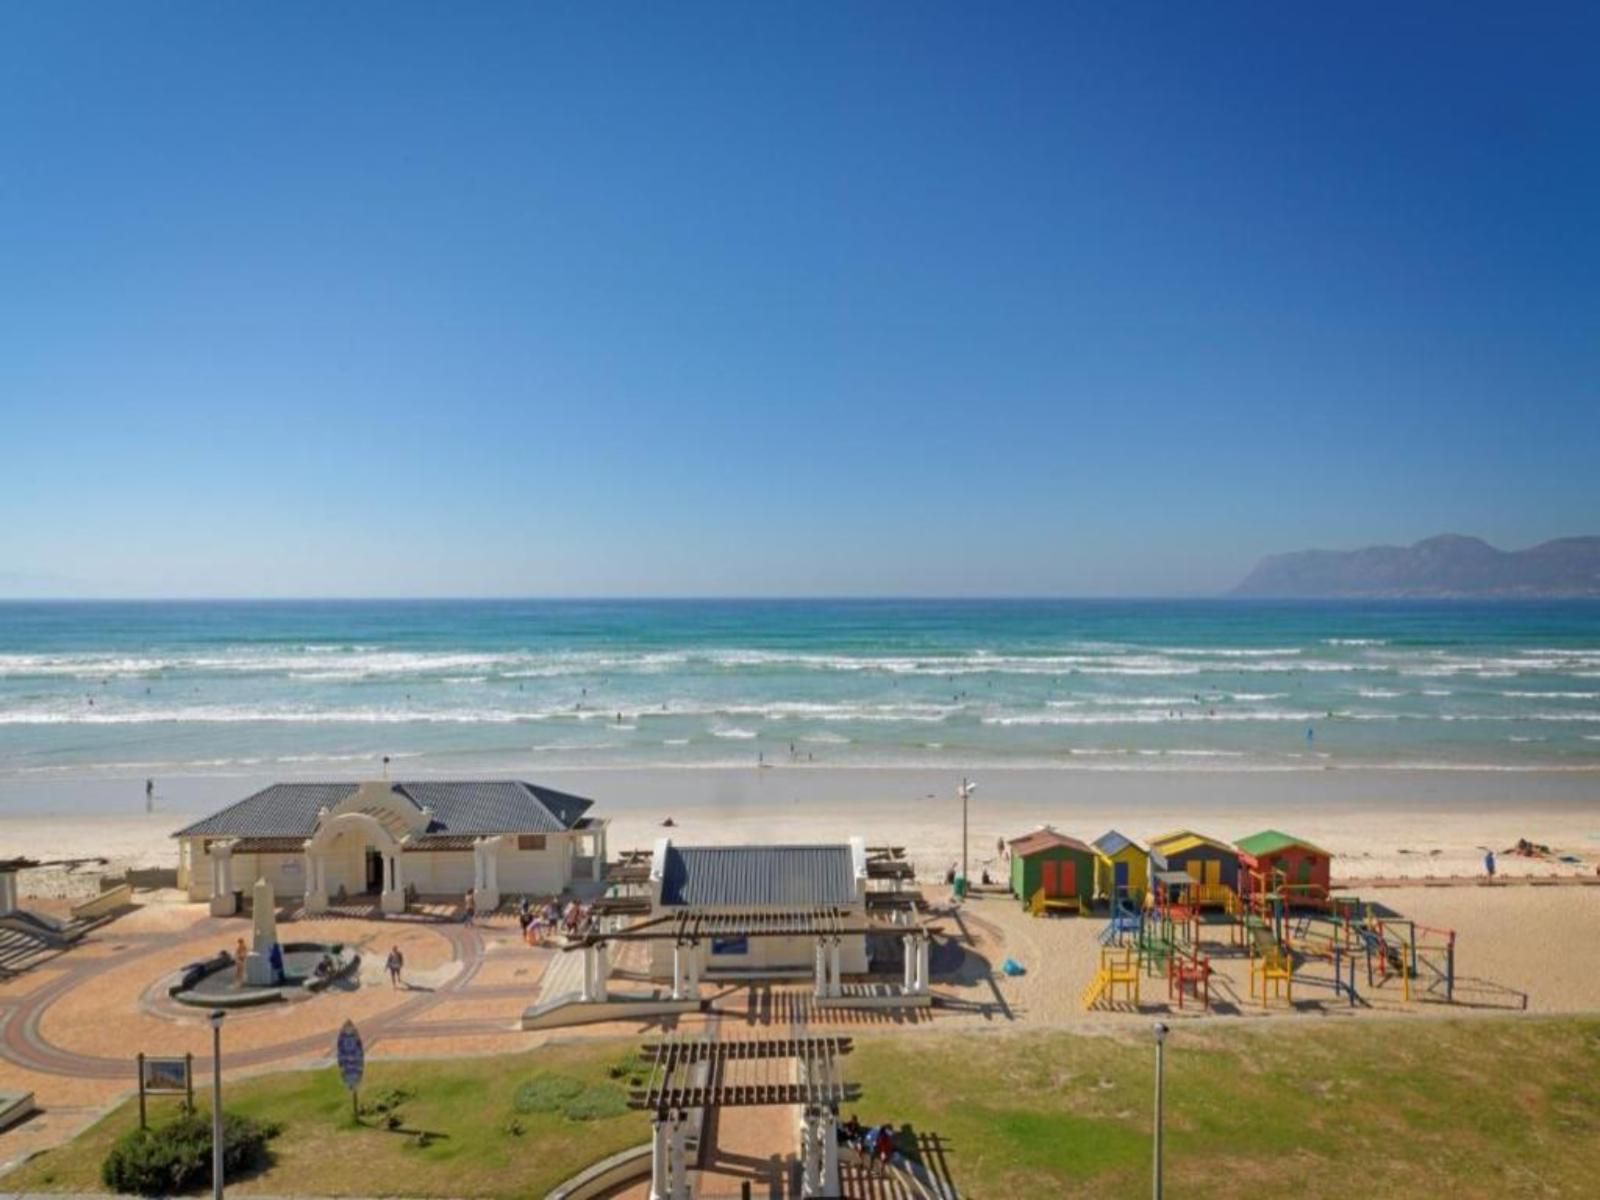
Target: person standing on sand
(469, 906)
(1488, 863)
(238, 963)
(395, 963)
(149, 794)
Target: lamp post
(965, 791)
(216, 1102)
(1161, 1041)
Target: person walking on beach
(1488, 863)
(238, 963)
(469, 906)
(149, 794)
(394, 965)
(275, 961)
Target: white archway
(336, 857)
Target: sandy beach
(1378, 823)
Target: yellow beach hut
(1121, 867)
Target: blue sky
(384, 299)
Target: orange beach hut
(1276, 859)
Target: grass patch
(1428, 1108)
(1319, 1110)
(476, 1140)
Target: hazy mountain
(1449, 565)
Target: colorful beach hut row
(1061, 872)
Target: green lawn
(1411, 1108)
(1303, 1108)
(467, 1105)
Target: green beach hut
(1052, 868)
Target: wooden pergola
(694, 1073)
(689, 927)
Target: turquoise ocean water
(324, 688)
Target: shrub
(547, 1093)
(176, 1156)
(385, 1100)
(597, 1103)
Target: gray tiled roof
(759, 876)
(495, 806)
(282, 810)
(463, 808)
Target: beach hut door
(1119, 879)
(1051, 887)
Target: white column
(828, 1129)
(810, 1180)
(602, 970)
(909, 947)
(223, 903)
(679, 1165)
(8, 892)
(677, 970)
(487, 886)
(822, 969)
(924, 945)
(835, 978)
(660, 1166)
(393, 899)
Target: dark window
(730, 945)
(530, 841)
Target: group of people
(541, 921)
(874, 1142)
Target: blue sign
(352, 1055)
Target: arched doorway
(354, 854)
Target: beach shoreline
(1377, 823)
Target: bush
(176, 1157)
(547, 1093)
(385, 1100)
(597, 1103)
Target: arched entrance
(353, 854)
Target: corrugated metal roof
(758, 876)
(1111, 843)
(465, 808)
(1045, 839)
(1270, 841)
(282, 810)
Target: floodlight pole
(217, 1016)
(1161, 1041)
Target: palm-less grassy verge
(1409, 1108)
(1309, 1109)
(483, 1137)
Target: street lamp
(216, 1102)
(1161, 1041)
(966, 790)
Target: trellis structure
(689, 928)
(706, 1073)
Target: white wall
(533, 872)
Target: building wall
(439, 872)
(533, 872)
(1029, 871)
(769, 953)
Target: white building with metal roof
(740, 888)
(329, 842)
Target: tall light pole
(1161, 1042)
(216, 1102)
(966, 790)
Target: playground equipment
(1041, 905)
(1126, 920)
(1119, 967)
(1191, 970)
(1415, 954)
(1271, 966)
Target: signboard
(164, 1076)
(352, 1055)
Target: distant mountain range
(1447, 566)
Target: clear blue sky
(816, 298)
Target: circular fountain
(302, 969)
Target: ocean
(326, 688)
